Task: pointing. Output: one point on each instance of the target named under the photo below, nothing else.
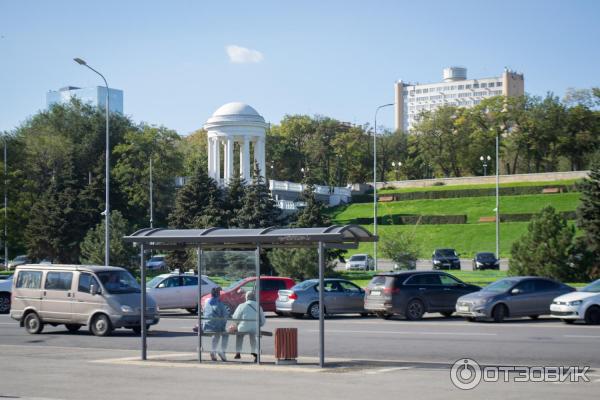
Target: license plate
(283, 298)
(463, 308)
(375, 292)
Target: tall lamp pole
(375, 182)
(497, 196)
(151, 197)
(5, 209)
(107, 171)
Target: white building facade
(235, 128)
(455, 89)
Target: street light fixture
(106, 212)
(375, 182)
(484, 161)
(5, 207)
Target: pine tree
(587, 254)
(311, 215)
(545, 249)
(258, 208)
(121, 254)
(234, 197)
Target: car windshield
(357, 258)
(21, 258)
(155, 281)
(118, 282)
(157, 258)
(486, 256)
(499, 286)
(445, 253)
(233, 285)
(593, 287)
(304, 285)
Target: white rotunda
(235, 123)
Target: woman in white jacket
(246, 313)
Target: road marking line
(582, 336)
(384, 370)
(410, 332)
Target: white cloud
(242, 55)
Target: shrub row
(403, 219)
(447, 194)
(569, 215)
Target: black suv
(445, 259)
(485, 261)
(412, 294)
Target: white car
(5, 290)
(178, 290)
(583, 304)
(360, 262)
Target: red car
(235, 294)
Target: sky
(178, 61)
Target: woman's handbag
(231, 327)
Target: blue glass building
(95, 96)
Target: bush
(403, 219)
(402, 248)
(523, 217)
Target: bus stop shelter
(332, 237)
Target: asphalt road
(433, 340)
(374, 357)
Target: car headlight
(437, 262)
(575, 303)
(126, 309)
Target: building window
(498, 84)
(476, 86)
(483, 85)
(468, 86)
(461, 87)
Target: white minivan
(102, 298)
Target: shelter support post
(321, 306)
(199, 313)
(257, 294)
(143, 302)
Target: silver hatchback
(341, 297)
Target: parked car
(412, 294)
(485, 260)
(235, 294)
(445, 259)
(18, 260)
(341, 297)
(176, 290)
(518, 296)
(583, 304)
(363, 262)
(103, 298)
(157, 263)
(5, 290)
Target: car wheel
(447, 314)
(72, 327)
(364, 314)
(568, 321)
(297, 315)
(101, 325)
(592, 315)
(534, 316)
(313, 310)
(279, 313)
(138, 329)
(383, 315)
(499, 313)
(4, 303)
(33, 324)
(192, 311)
(414, 310)
(471, 319)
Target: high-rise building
(455, 89)
(95, 96)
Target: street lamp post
(5, 208)
(151, 194)
(396, 167)
(375, 182)
(484, 161)
(107, 170)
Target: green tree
(402, 248)
(121, 254)
(258, 208)
(588, 220)
(546, 248)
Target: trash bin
(286, 345)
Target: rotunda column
(245, 159)
(217, 159)
(261, 158)
(229, 161)
(211, 157)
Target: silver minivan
(102, 298)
